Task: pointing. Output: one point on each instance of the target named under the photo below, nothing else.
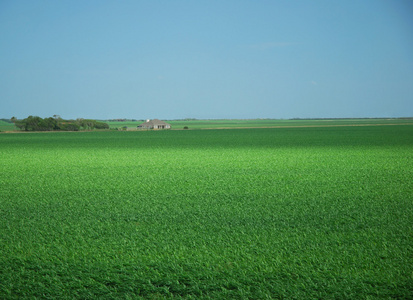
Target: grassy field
(298, 213)
(5, 126)
(265, 123)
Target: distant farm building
(155, 124)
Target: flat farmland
(277, 123)
(5, 126)
(267, 123)
(317, 212)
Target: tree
(90, 124)
(35, 123)
(70, 126)
(48, 124)
(81, 122)
(101, 125)
(32, 123)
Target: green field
(6, 126)
(296, 213)
(265, 123)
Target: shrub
(101, 125)
(69, 127)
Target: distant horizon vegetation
(9, 120)
(56, 123)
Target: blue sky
(206, 59)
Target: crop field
(275, 123)
(267, 123)
(263, 213)
(5, 126)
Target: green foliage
(293, 213)
(35, 123)
(89, 124)
(101, 125)
(69, 126)
(48, 124)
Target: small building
(155, 124)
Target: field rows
(254, 213)
(269, 123)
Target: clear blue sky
(206, 59)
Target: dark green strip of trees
(35, 123)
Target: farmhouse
(155, 124)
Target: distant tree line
(55, 123)
(122, 120)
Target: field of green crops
(265, 123)
(6, 126)
(297, 213)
